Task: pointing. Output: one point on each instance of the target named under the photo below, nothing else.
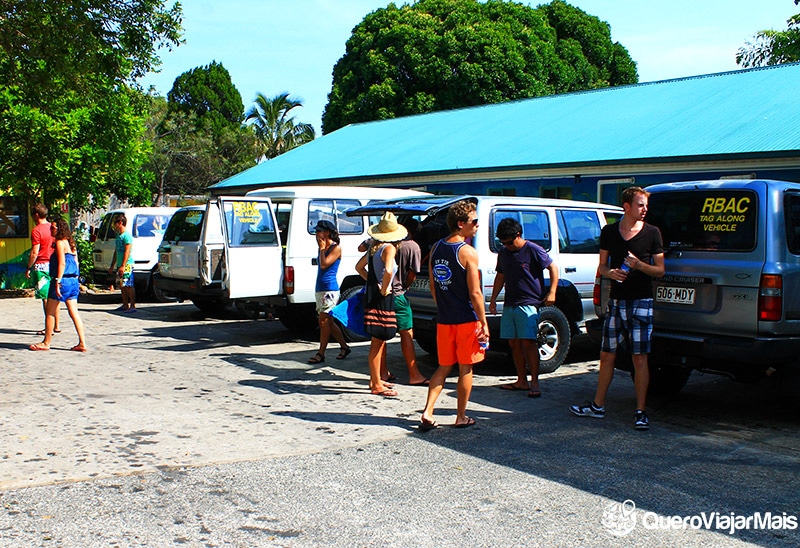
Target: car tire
(553, 338)
(299, 318)
(665, 380)
(211, 305)
(426, 341)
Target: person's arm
(499, 282)
(32, 259)
(361, 266)
(431, 279)
(411, 276)
(469, 258)
(61, 251)
(655, 270)
(607, 271)
(550, 299)
(325, 261)
(387, 257)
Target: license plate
(163, 258)
(675, 295)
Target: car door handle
(569, 269)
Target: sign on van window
(718, 220)
(249, 223)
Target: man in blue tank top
(461, 317)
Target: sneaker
(640, 420)
(588, 409)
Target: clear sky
(272, 46)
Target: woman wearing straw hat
(378, 268)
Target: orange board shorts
(458, 343)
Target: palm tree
(276, 131)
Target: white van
(260, 249)
(147, 226)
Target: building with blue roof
(585, 145)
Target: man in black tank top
(461, 316)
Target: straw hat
(388, 230)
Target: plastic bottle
(625, 268)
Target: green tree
(443, 54)
(276, 131)
(773, 47)
(70, 112)
(188, 154)
(209, 93)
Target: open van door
(253, 266)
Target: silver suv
(568, 230)
(729, 301)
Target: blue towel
(349, 314)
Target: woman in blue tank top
(65, 286)
(327, 289)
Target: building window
(13, 218)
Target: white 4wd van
(260, 249)
(729, 301)
(568, 230)
(147, 226)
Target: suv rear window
(185, 226)
(708, 220)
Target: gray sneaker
(640, 420)
(588, 409)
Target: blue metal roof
(754, 111)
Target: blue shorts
(519, 322)
(628, 323)
(70, 289)
(126, 280)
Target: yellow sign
(724, 214)
(246, 212)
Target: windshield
(709, 220)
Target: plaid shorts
(628, 324)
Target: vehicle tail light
(288, 280)
(596, 289)
(770, 298)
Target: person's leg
(531, 351)
(49, 323)
(641, 379)
(72, 308)
(338, 336)
(132, 294)
(605, 377)
(434, 390)
(377, 353)
(464, 390)
(410, 355)
(324, 332)
(518, 356)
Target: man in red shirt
(39, 260)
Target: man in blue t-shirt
(520, 268)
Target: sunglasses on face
(473, 222)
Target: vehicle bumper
(186, 288)
(696, 351)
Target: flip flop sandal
(316, 358)
(427, 426)
(344, 353)
(470, 422)
(78, 348)
(386, 393)
(38, 346)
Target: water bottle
(482, 342)
(625, 268)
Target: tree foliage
(191, 152)
(209, 93)
(276, 130)
(70, 114)
(773, 47)
(443, 54)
